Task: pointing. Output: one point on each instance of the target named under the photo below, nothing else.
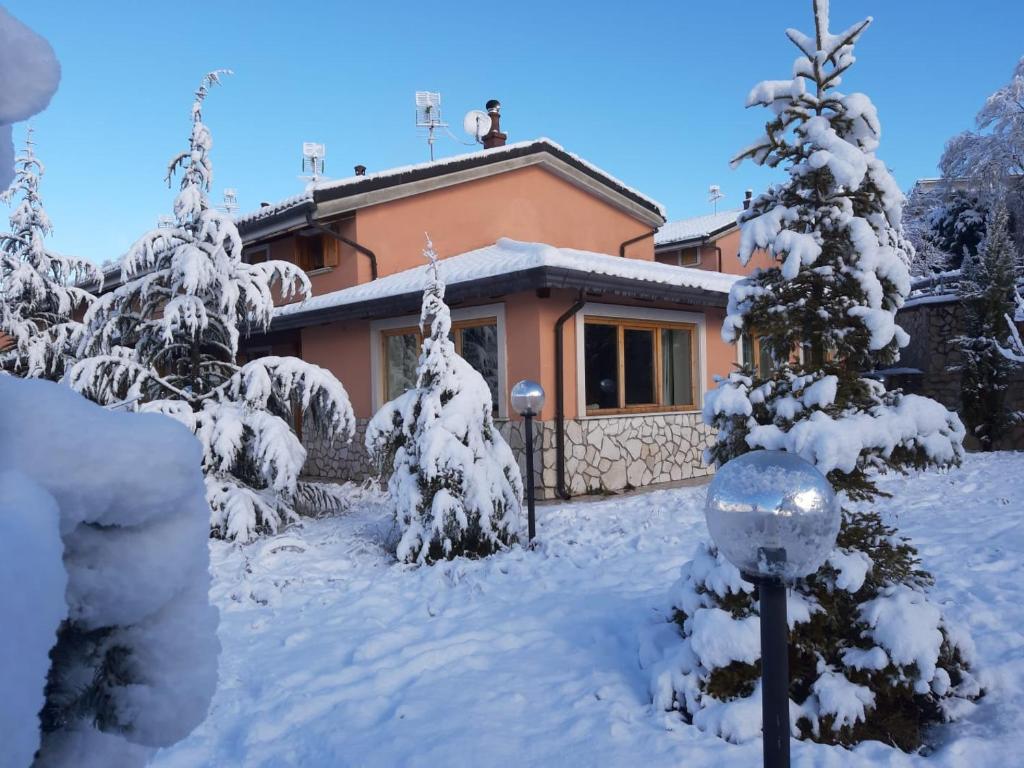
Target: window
(638, 365)
(684, 257)
(756, 354)
(256, 255)
(310, 252)
(476, 341)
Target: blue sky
(652, 92)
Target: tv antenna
(428, 115)
(313, 156)
(715, 194)
(477, 123)
(230, 204)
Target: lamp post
(775, 517)
(528, 400)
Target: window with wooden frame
(256, 255)
(639, 366)
(476, 341)
(684, 257)
(309, 252)
(756, 354)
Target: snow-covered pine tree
(39, 288)
(921, 205)
(168, 337)
(455, 485)
(991, 157)
(871, 657)
(956, 226)
(987, 290)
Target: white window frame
(620, 312)
(377, 327)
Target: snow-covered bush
(871, 657)
(39, 288)
(454, 484)
(167, 338)
(30, 73)
(987, 290)
(109, 646)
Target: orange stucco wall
(729, 262)
(530, 204)
(344, 350)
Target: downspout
(637, 239)
(560, 397)
(341, 238)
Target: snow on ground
(335, 656)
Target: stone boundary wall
(603, 454)
(933, 350)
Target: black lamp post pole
(532, 521)
(774, 672)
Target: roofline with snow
(331, 199)
(697, 239)
(494, 286)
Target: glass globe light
(528, 398)
(772, 514)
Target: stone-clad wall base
(602, 454)
(328, 459)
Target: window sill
(621, 413)
(319, 271)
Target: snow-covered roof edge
(696, 227)
(508, 257)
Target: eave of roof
(290, 213)
(696, 229)
(512, 267)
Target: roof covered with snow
(325, 190)
(696, 227)
(553, 267)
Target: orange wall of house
(530, 204)
(730, 245)
(344, 350)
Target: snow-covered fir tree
(39, 288)
(871, 657)
(168, 338)
(987, 290)
(455, 486)
(991, 157)
(927, 258)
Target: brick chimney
(494, 137)
(360, 170)
(747, 198)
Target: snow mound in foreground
(120, 498)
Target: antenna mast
(715, 194)
(313, 156)
(230, 204)
(428, 115)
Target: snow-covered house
(555, 271)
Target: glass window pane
(764, 361)
(747, 343)
(601, 350)
(402, 352)
(638, 357)
(677, 366)
(480, 349)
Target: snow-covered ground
(335, 656)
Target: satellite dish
(477, 123)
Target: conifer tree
(168, 339)
(454, 484)
(871, 657)
(39, 288)
(987, 288)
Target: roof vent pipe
(747, 197)
(360, 170)
(494, 137)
